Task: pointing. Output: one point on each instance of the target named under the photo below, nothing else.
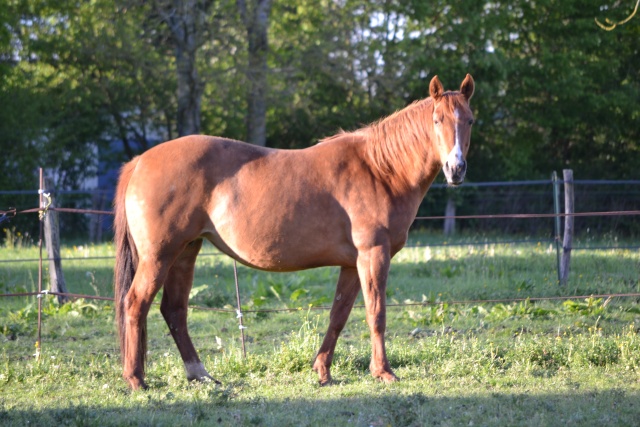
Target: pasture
(554, 362)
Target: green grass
(571, 362)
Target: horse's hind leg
(346, 292)
(175, 300)
(147, 282)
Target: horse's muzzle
(455, 173)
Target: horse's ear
(467, 87)
(435, 88)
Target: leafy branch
(611, 25)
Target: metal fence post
(239, 311)
(41, 203)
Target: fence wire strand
(359, 306)
(7, 215)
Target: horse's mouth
(455, 173)
(454, 179)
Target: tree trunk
(189, 90)
(184, 19)
(256, 22)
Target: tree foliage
(553, 90)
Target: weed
(590, 307)
(296, 354)
(434, 314)
(16, 240)
(522, 309)
(601, 352)
(548, 355)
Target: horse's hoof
(197, 372)
(205, 379)
(325, 381)
(324, 375)
(136, 384)
(209, 379)
(387, 377)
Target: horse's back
(271, 209)
(284, 212)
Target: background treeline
(80, 77)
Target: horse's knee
(377, 323)
(172, 314)
(166, 309)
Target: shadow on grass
(605, 407)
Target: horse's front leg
(373, 269)
(346, 292)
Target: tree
(553, 90)
(255, 17)
(185, 20)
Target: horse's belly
(276, 251)
(289, 258)
(279, 226)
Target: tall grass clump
(296, 352)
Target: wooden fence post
(450, 211)
(556, 221)
(98, 201)
(568, 226)
(52, 240)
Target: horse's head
(452, 120)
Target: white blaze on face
(456, 157)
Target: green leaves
(590, 307)
(290, 292)
(553, 90)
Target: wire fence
(360, 306)
(10, 214)
(471, 200)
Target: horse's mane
(397, 144)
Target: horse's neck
(401, 148)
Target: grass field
(555, 362)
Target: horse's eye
(470, 122)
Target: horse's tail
(126, 256)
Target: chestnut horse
(347, 201)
